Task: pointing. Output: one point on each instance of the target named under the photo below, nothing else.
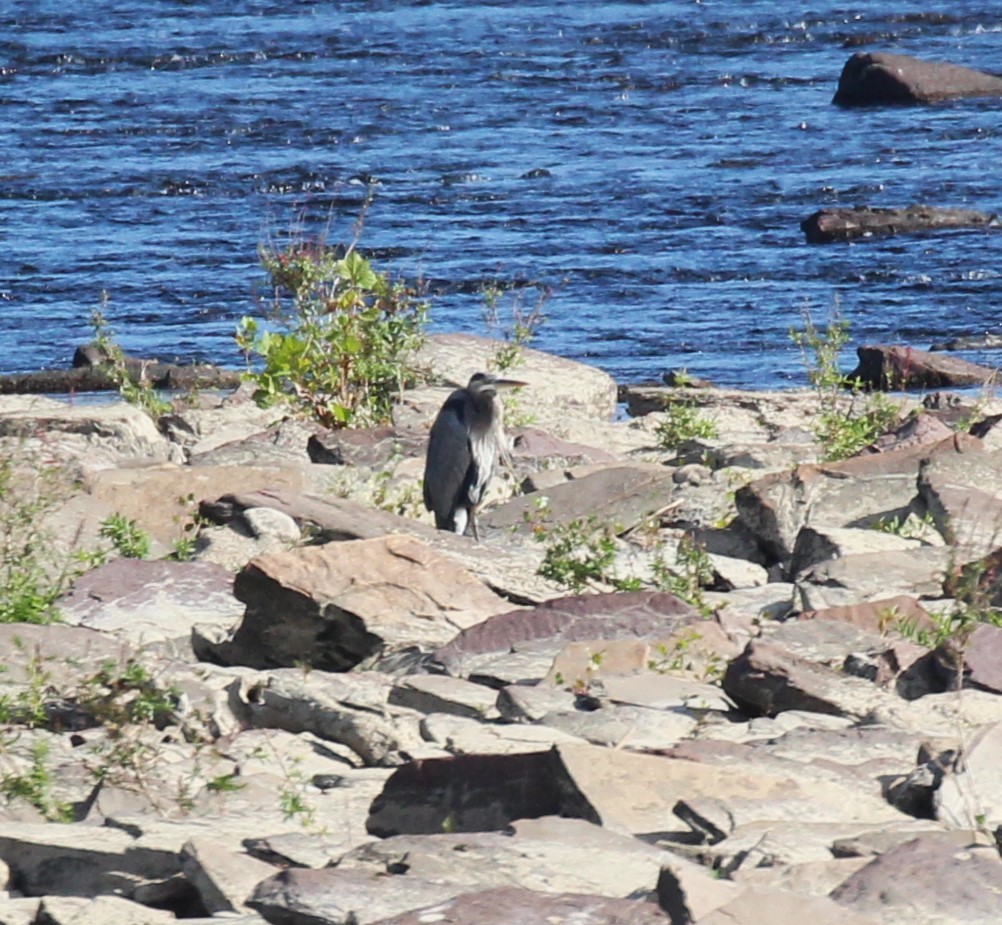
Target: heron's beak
(509, 384)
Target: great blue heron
(466, 440)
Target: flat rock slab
(622, 496)
(512, 571)
(510, 904)
(889, 366)
(617, 615)
(628, 792)
(928, 879)
(880, 79)
(157, 498)
(829, 225)
(549, 854)
(142, 601)
(332, 606)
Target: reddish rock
(894, 367)
(934, 878)
(617, 615)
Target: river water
(648, 162)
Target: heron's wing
(449, 460)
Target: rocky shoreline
(330, 712)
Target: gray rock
(528, 907)
(861, 577)
(266, 521)
(549, 854)
(101, 910)
(162, 500)
(442, 694)
(619, 495)
(767, 678)
(816, 545)
(572, 390)
(55, 860)
(222, 879)
(342, 897)
(510, 569)
(855, 492)
(970, 794)
(752, 907)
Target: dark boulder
(830, 225)
(881, 79)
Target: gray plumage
(466, 440)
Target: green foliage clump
(578, 553)
(516, 324)
(682, 422)
(135, 389)
(342, 336)
(842, 427)
(34, 570)
(127, 537)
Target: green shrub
(34, 570)
(343, 334)
(843, 427)
(682, 422)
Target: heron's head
(487, 385)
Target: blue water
(648, 161)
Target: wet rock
(896, 368)
(879, 78)
(828, 225)
(333, 606)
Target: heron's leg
(473, 523)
